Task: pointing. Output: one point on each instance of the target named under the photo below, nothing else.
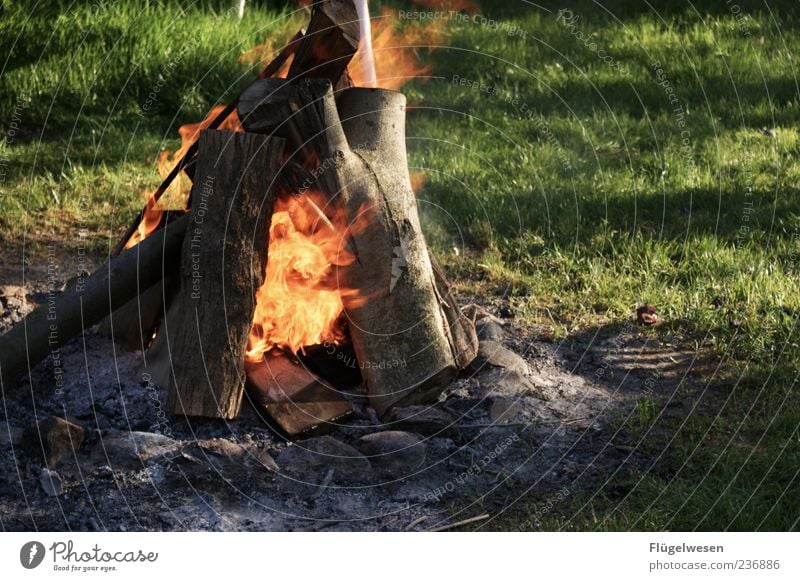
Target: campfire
(282, 258)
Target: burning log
(407, 331)
(323, 52)
(409, 336)
(329, 43)
(298, 401)
(351, 215)
(222, 265)
(87, 302)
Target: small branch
(318, 213)
(460, 523)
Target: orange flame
(176, 195)
(300, 302)
(418, 180)
(400, 51)
(151, 217)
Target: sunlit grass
(573, 190)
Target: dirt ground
(534, 419)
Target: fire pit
(300, 231)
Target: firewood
(290, 395)
(186, 163)
(323, 52)
(293, 110)
(87, 302)
(132, 325)
(408, 334)
(329, 43)
(409, 337)
(222, 265)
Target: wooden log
(329, 44)
(288, 394)
(186, 163)
(132, 326)
(408, 335)
(222, 266)
(54, 323)
(295, 111)
(323, 52)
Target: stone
(422, 419)
(504, 410)
(493, 354)
(133, 450)
(494, 382)
(10, 435)
(489, 330)
(54, 440)
(230, 459)
(311, 460)
(51, 482)
(393, 454)
(13, 297)
(476, 313)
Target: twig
(319, 213)
(493, 425)
(483, 516)
(325, 484)
(417, 521)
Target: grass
(571, 188)
(92, 91)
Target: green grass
(92, 91)
(570, 190)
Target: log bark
(329, 43)
(222, 266)
(132, 326)
(408, 335)
(122, 278)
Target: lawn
(580, 157)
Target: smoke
(365, 46)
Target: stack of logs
(202, 268)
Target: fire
(151, 218)
(177, 194)
(300, 302)
(397, 50)
(262, 54)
